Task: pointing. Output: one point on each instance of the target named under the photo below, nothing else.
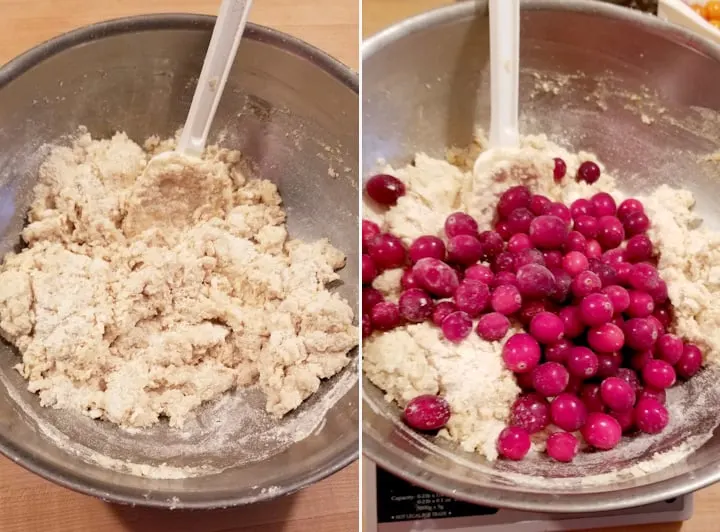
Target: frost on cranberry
(535, 281)
(480, 272)
(519, 221)
(442, 310)
(531, 412)
(550, 379)
(387, 251)
(513, 443)
(472, 297)
(568, 412)
(460, 223)
(385, 189)
(492, 327)
(548, 232)
(457, 326)
(427, 413)
(427, 246)
(436, 277)
(588, 172)
(369, 231)
(415, 305)
(582, 362)
(385, 316)
(562, 446)
(521, 353)
(602, 431)
(504, 262)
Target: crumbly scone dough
(416, 359)
(143, 294)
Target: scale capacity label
(398, 500)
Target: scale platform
(392, 505)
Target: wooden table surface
(31, 504)
(378, 14)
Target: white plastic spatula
(504, 83)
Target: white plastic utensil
(219, 59)
(504, 83)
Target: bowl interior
(594, 77)
(292, 111)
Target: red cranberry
(548, 232)
(588, 172)
(622, 273)
(640, 334)
(539, 204)
(502, 228)
(651, 416)
(574, 325)
(663, 315)
(457, 326)
(535, 281)
(585, 283)
(596, 309)
(460, 223)
(480, 272)
(436, 277)
(506, 299)
(530, 412)
(612, 256)
(427, 246)
(385, 316)
(669, 348)
(617, 394)
(559, 170)
(427, 413)
(605, 272)
(562, 286)
(574, 263)
(442, 310)
(575, 242)
(641, 304)
(385, 189)
(587, 226)
(658, 374)
(590, 395)
(369, 272)
(690, 362)
(608, 364)
(638, 249)
(550, 379)
(610, 232)
(606, 338)
(408, 281)
(582, 362)
(619, 297)
(524, 381)
(568, 412)
(521, 353)
(369, 231)
(640, 358)
(628, 207)
(505, 278)
(562, 446)
(603, 204)
(415, 305)
(367, 327)
(492, 327)
(370, 298)
(519, 221)
(602, 431)
(558, 351)
(546, 328)
(651, 393)
(660, 293)
(529, 256)
(530, 309)
(626, 419)
(513, 443)
(519, 242)
(582, 207)
(516, 197)
(464, 249)
(472, 297)
(561, 211)
(593, 249)
(387, 251)
(636, 224)
(631, 378)
(553, 259)
(492, 244)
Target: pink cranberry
(606, 338)
(506, 299)
(516, 197)
(593, 249)
(427, 246)
(575, 242)
(369, 272)
(457, 326)
(415, 305)
(367, 327)
(568, 412)
(524, 381)
(492, 327)
(436, 277)
(588, 172)
(562, 286)
(596, 309)
(480, 272)
(492, 244)
(539, 204)
(385, 316)
(641, 304)
(561, 211)
(628, 207)
(690, 362)
(608, 364)
(369, 231)
(603, 204)
(652, 393)
(660, 293)
(605, 272)
(602, 431)
(408, 281)
(385, 189)
(585, 283)
(442, 310)
(617, 394)
(638, 249)
(530, 412)
(559, 170)
(574, 325)
(636, 223)
(619, 298)
(640, 358)
(625, 419)
(370, 298)
(472, 297)
(387, 251)
(663, 315)
(504, 262)
(548, 232)
(546, 328)
(427, 412)
(582, 362)
(574, 263)
(519, 220)
(562, 446)
(530, 309)
(529, 256)
(622, 272)
(590, 396)
(587, 226)
(575, 385)
(505, 278)
(558, 351)
(631, 378)
(651, 416)
(669, 348)
(610, 232)
(513, 443)
(464, 249)
(612, 256)
(550, 379)
(519, 242)
(644, 277)
(502, 228)
(640, 334)
(459, 223)
(582, 207)
(658, 374)
(521, 353)
(553, 259)
(535, 281)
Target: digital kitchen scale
(392, 505)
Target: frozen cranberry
(535, 281)
(436, 277)
(502, 228)
(459, 223)
(513, 443)
(590, 396)
(441, 311)
(529, 256)
(622, 273)
(370, 298)
(658, 374)
(641, 304)
(617, 394)
(636, 224)
(369, 272)
(385, 316)
(628, 207)
(651, 416)
(610, 232)
(546, 328)
(690, 362)
(608, 364)
(548, 232)
(457, 326)
(593, 249)
(530, 309)
(504, 262)
(575, 385)
(385, 189)
(640, 358)
(553, 259)
(521, 353)
(387, 251)
(518, 243)
(519, 220)
(656, 325)
(505, 278)
(427, 412)
(631, 378)
(506, 299)
(619, 297)
(602, 431)
(369, 231)
(603, 204)
(559, 169)
(480, 272)
(582, 362)
(492, 326)
(408, 281)
(524, 381)
(652, 393)
(568, 412)
(585, 283)
(530, 412)
(605, 272)
(639, 248)
(663, 315)
(562, 286)
(625, 419)
(550, 379)
(596, 309)
(427, 246)
(660, 293)
(606, 338)
(472, 297)
(416, 305)
(575, 262)
(588, 172)
(513, 198)
(587, 226)
(492, 244)
(539, 204)
(572, 321)
(612, 256)
(562, 446)
(367, 327)
(561, 211)
(582, 207)
(575, 242)
(640, 334)
(618, 320)
(464, 249)
(558, 351)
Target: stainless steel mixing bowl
(292, 111)
(636, 91)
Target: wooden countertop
(29, 503)
(378, 14)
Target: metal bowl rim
(16, 67)
(411, 469)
